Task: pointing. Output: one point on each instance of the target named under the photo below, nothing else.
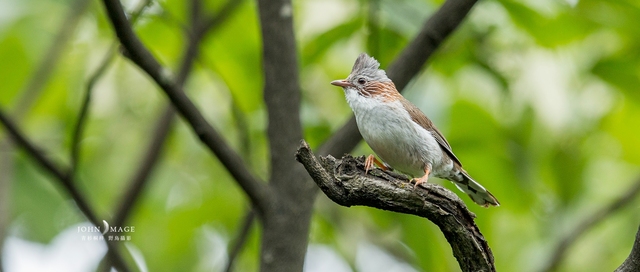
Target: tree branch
(41, 76)
(281, 91)
(632, 263)
(561, 250)
(84, 110)
(86, 101)
(286, 227)
(241, 239)
(221, 16)
(345, 182)
(406, 66)
(195, 34)
(257, 191)
(64, 179)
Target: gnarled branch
(344, 181)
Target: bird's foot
(368, 164)
(421, 180)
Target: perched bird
(400, 134)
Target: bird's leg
(423, 179)
(368, 164)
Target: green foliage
(13, 51)
(319, 45)
(549, 31)
(550, 161)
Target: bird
(402, 135)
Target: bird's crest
(369, 67)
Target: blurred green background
(539, 99)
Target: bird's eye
(361, 80)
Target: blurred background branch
(45, 69)
(255, 189)
(29, 93)
(64, 180)
(195, 34)
(83, 115)
(76, 137)
(241, 239)
(590, 222)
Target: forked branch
(257, 191)
(344, 181)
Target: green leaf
(567, 165)
(39, 204)
(15, 67)
(319, 45)
(233, 53)
(548, 31)
(390, 43)
(622, 71)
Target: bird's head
(366, 79)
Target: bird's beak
(341, 83)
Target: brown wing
(422, 120)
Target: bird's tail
(478, 194)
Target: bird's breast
(395, 138)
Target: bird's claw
(418, 181)
(368, 163)
(421, 180)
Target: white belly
(397, 140)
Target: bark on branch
(344, 181)
(632, 263)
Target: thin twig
(257, 191)
(141, 176)
(84, 109)
(93, 79)
(221, 15)
(7, 168)
(163, 126)
(64, 179)
(241, 238)
(42, 74)
(35, 85)
(164, 123)
(245, 150)
(28, 94)
(561, 249)
(139, 180)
